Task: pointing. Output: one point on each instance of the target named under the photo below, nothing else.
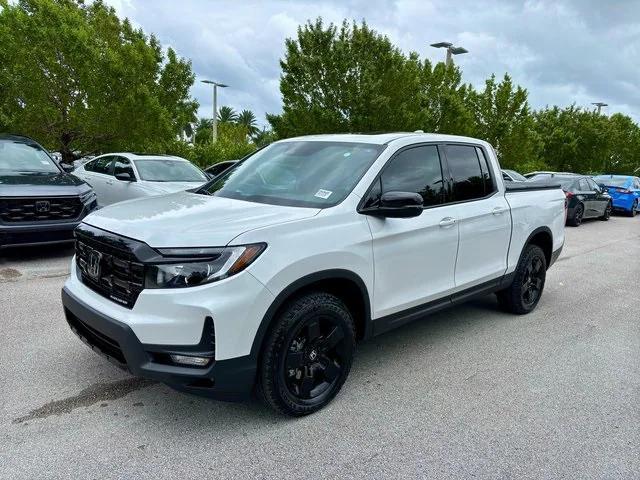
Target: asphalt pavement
(470, 392)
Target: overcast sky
(563, 52)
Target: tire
(307, 355)
(519, 298)
(607, 213)
(578, 214)
(634, 208)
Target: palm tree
(248, 120)
(227, 115)
(203, 130)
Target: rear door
(414, 258)
(97, 173)
(484, 216)
(588, 197)
(121, 190)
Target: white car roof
(384, 138)
(143, 156)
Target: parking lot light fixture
(214, 122)
(600, 105)
(451, 50)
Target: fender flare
(302, 282)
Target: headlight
(86, 196)
(219, 263)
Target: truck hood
(45, 184)
(186, 219)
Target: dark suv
(39, 202)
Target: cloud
(577, 51)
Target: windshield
(163, 170)
(616, 181)
(299, 174)
(18, 156)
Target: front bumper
(230, 379)
(28, 235)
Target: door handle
(498, 210)
(447, 221)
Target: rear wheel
(607, 213)
(634, 208)
(578, 214)
(308, 354)
(524, 293)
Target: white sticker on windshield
(324, 194)
(44, 162)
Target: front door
(414, 258)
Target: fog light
(192, 361)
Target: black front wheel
(524, 293)
(307, 355)
(607, 213)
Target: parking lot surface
(470, 392)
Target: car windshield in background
(613, 181)
(17, 156)
(162, 170)
(516, 176)
(564, 182)
(315, 174)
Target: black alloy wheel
(307, 355)
(634, 208)
(578, 214)
(607, 212)
(533, 281)
(525, 291)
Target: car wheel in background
(607, 212)
(524, 293)
(634, 208)
(307, 355)
(576, 219)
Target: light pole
(600, 105)
(214, 122)
(451, 50)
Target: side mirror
(398, 205)
(124, 177)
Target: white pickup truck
(264, 279)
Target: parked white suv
(116, 177)
(268, 275)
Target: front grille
(38, 209)
(109, 271)
(105, 344)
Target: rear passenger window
(99, 165)
(583, 185)
(464, 167)
(416, 170)
(489, 187)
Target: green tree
(503, 118)
(204, 130)
(227, 115)
(345, 79)
(80, 80)
(247, 119)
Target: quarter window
(415, 170)
(464, 167)
(583, 185)
(99, 165)
(489, 187)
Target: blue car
(624, 190)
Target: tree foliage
(80, 80)
(349, 78)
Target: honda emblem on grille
(93, 264)
(43, 206)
